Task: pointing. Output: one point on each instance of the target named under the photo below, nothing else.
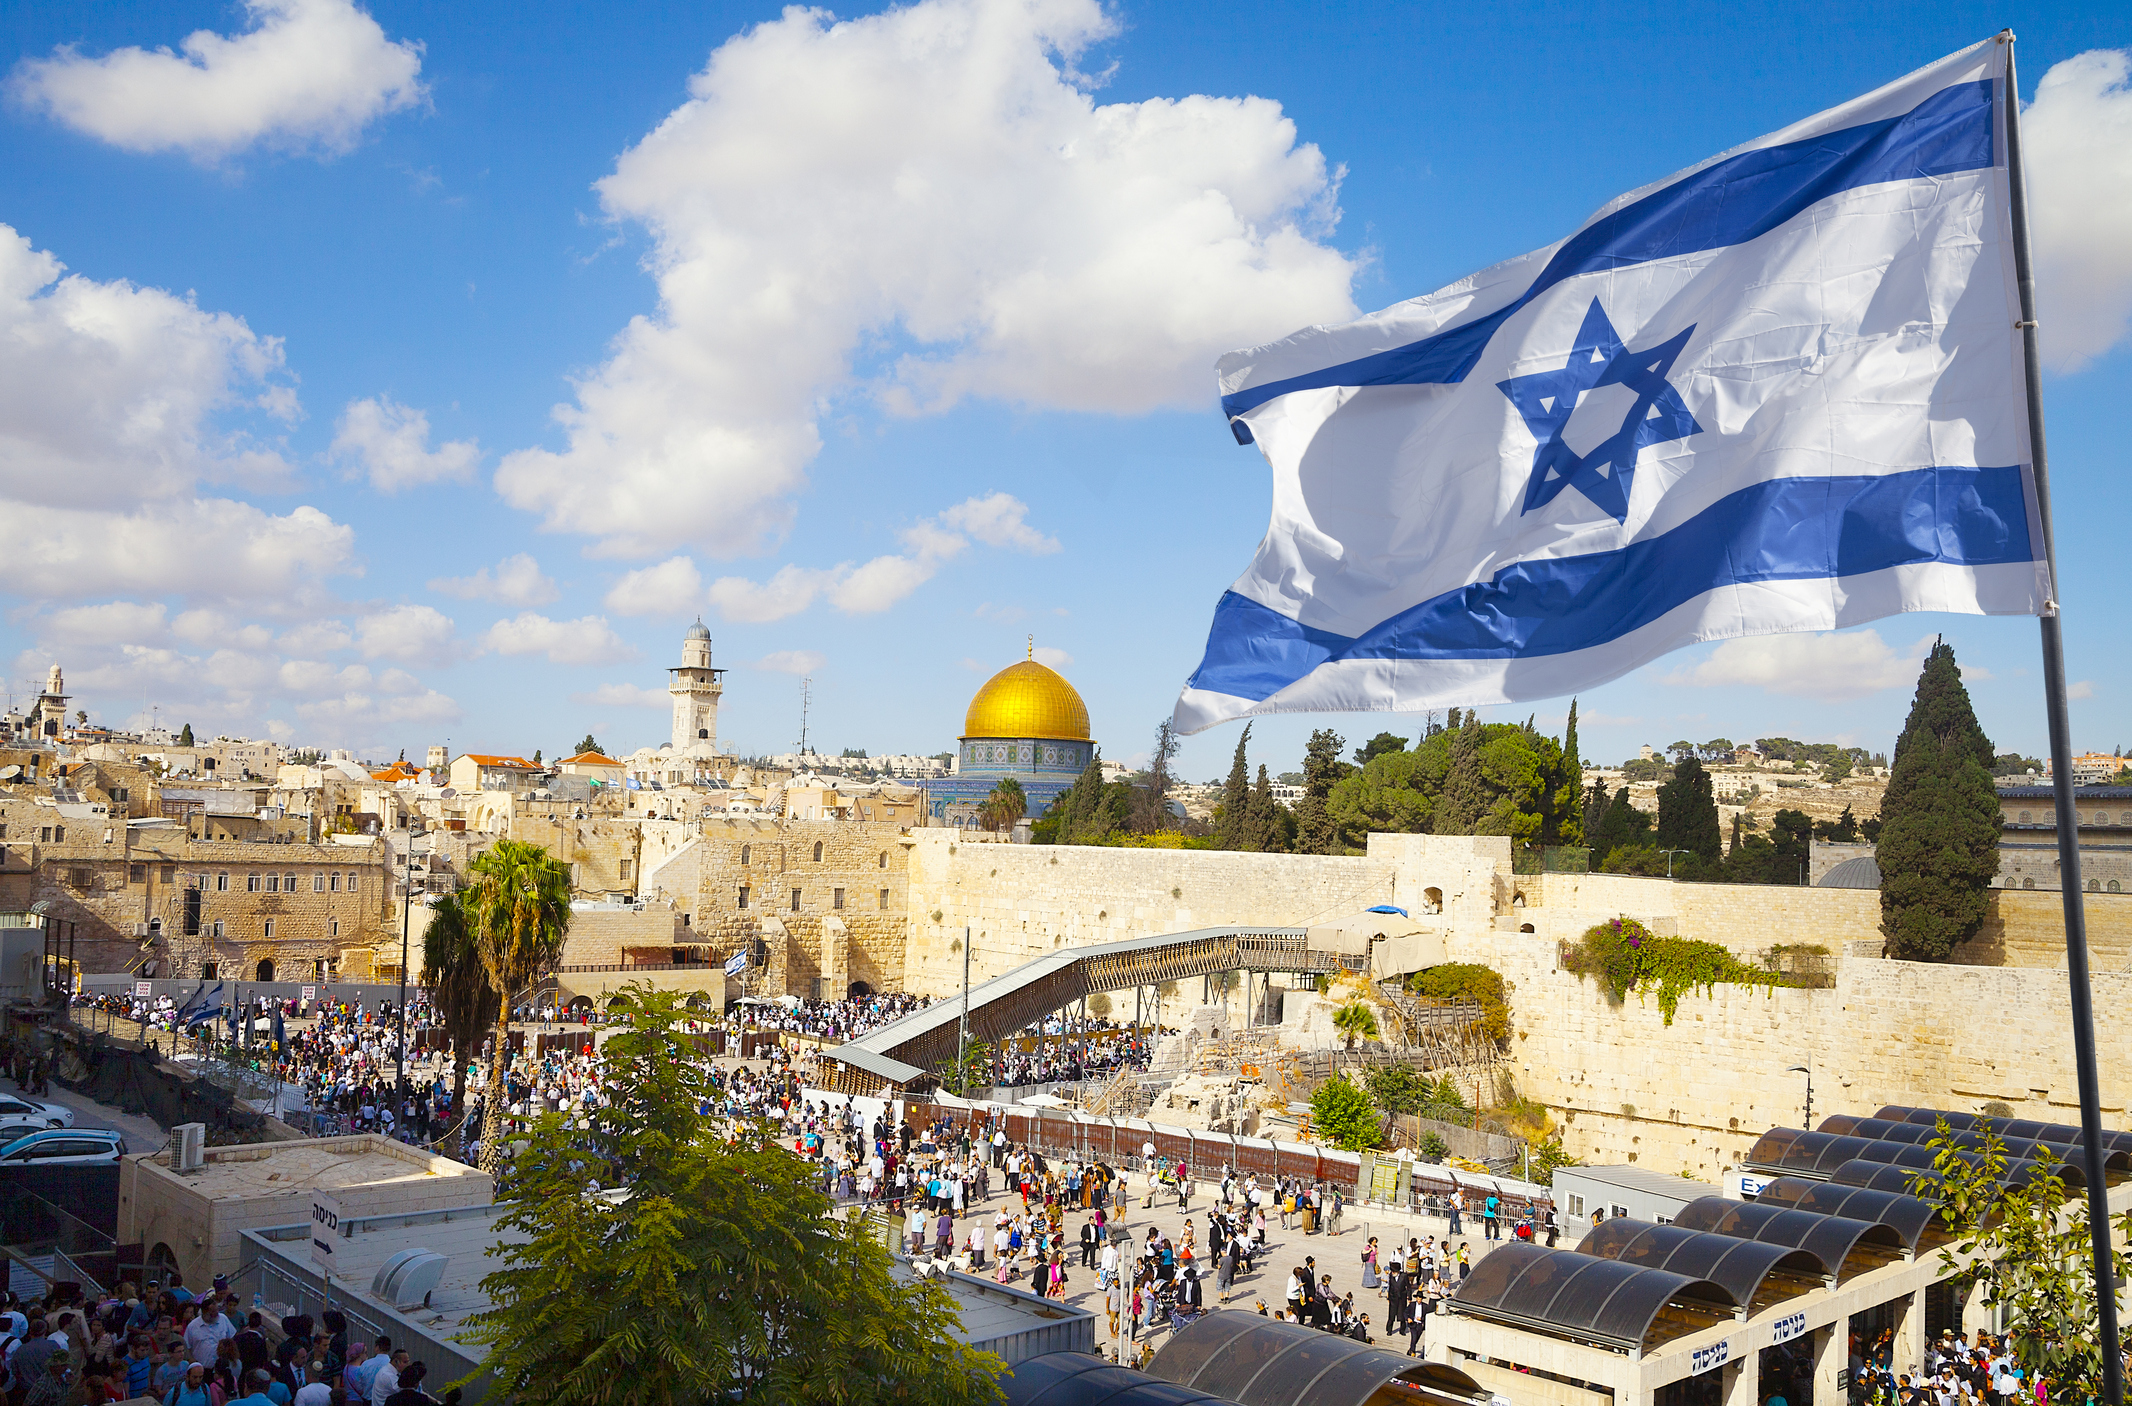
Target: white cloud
(997, 521)
(361, 711)
(389, 443)
(588, 640)
(791, 661)
(1833, 667)
(312, 678)
(872, 587)
(672, 587)
(206, 547)
(2077, 140)
(308, 75)
(311, 637)
(516, 580)
(406, 632)
(119, 622)
(937, 178)
(2083, 689)
(623, 695)
(1053, 658)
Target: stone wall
(1021, 901)
(610, 934)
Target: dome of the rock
(1027, 700)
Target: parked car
(64, 1147)
(14, 1130)
(16, 1109)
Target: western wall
(1622, 1084)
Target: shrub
(1625, 956)
(1434, 1147)
(1345, 1117)
(1468, 981)
(1397, 1088)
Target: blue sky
(847, 365)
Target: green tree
(722, 1275)
(1623, 826)
(1687, 813)
(1322, 770)
(1565, 812)
(459, 992)
(1842, 831)
(1448, 1094)
(2026, 1249)
(1468, 981)
(1344, 1116)
(1433, 1147)
(1230, 817)
(590, 745)
(1641, 858)
(185, 736)
(519, 909)
(1465, 797)
(536, 756)
(1355, 1021)
(1791, 837)
(1377, 746)
(1939, 838)
(1151, 802)
(1398, 1088)
(1386, 796)
(1269, 826)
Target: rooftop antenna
(806, 699)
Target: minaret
(695, 689)
(52, 705)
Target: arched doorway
(859, 991)
(266, 972)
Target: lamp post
(1669, 853)
(407, 900)
(1802, 1069)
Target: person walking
(1492, 1217)
(1332, 1214)
(1225, 1267)
(1370, 1279)
(1089, 1237)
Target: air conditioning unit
(409, 1277)
(140, 929)
(191, 1152)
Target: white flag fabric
(1779, 391)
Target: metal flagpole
(962, 1031)
(2068, 819)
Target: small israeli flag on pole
(1779, 391)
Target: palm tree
(459, 989)
(520, 912)
(1007, 804)
(1356, 1021)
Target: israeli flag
(1779, 391)
(736, 964)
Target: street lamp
(1802, 1069)
(407, 900)
(1669, 853)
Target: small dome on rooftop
(1859, 873)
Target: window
(836, 898)
(351, 883)
(1576, 1205)
(288, 882)
(2114, 886)
(59, 834)
(79, 878)
(744, 853)
(625, 870)
(336, 882)
(743, 895)
(251, 883)
(273, 883)
(221, 883)
(884, 859)
(817, 851)
(44, 834)
(795, 900)
(2024, 816)
(884, 900)
(2028, 883)
(170, 873)
(218, 927)
(270, 927)
(318, 883)
(333, 927)
(2094, 886)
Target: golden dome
(1027, 700)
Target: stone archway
(265, 971)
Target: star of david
(1547, 400)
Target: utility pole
(806, 702)
(407, 900)
(962, 1032)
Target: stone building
(821, 906)
(2028, 838)
(129, 895)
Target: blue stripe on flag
(1786, 529)
(1727, 203)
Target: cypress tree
(1465, 797)
(1565, 816)
(1687, 812)
(1078, 807)
(1233, 822)
(1939, 832)
(1322, 770)
(1268, 826)
(1620, 825)
(185, 737)
(1595, 805)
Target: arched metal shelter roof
(1886, 1176)
(1914, 1220)
(1803, 1153)
(1267, 1362)
(1078, 1379)
(2006, 1127)
(2116, 1160)
(1845, 1245)
(1597, 1300)
(1745, 1268)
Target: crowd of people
(166, 1342)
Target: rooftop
(1641, 1179)
(293, 1168)
(488, 759)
